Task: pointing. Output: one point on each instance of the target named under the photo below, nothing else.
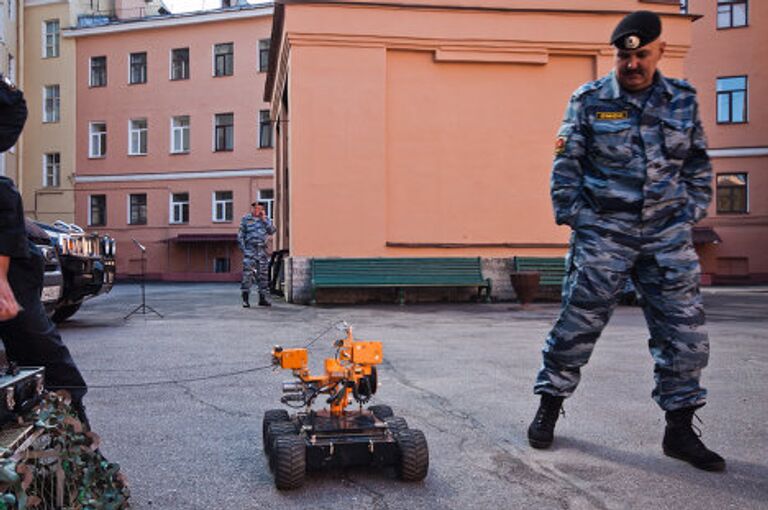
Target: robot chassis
(335, 436)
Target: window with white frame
(51, 103)
(138, 68)
(137, 209)
(180, 64)
(224, 59)
(222, 206)
(263, 55)
(52, 35)
(267, 200)
(97, 210)
(732, 100)
(98, 74)
(180, 134)
(137, 137)
(11, 73)
(732, 13)
(224, 132)
(97, 139)
(265, 129)
(179, 208)
(52, 170)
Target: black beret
(636, 30)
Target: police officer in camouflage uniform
(631, 176)
(255, 229)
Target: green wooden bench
(399, 273)
(550, 269)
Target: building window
(97, 140)
(263, 55)
(137, 137)
(732, 100)
(52, 170)
(180, 134)
(265, 129)
(52, 33)
(98, 76)
(179, 207)
(732, 193)
(180, 64)
(223, 59)
(51, 103)
(97, 210)
(732, 13)
(222, 206)
(267, 199)
(138, 72)
(224, 132)
(137, 209)
(221, 265)
(684, 6)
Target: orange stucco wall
(414, 129)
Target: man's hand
(9, 307)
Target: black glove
(13, 114)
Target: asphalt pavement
(178, 402)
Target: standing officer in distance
(631, 176)
(255, 229)
(29, 336)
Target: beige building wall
(52, 202)
(11, 52)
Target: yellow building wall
(39, 138)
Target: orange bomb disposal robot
(336, 436)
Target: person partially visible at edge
(255, 229)
(29, 336)
(631, 176)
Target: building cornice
(738, 152)
(36, 3)
(172, 20)
(174, 176)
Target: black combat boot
(682, 442)
(541, 432)
(263, 300)
(246, 303)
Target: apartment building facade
(727, 65)
(49, 148)
(11, 23)
(173, 140)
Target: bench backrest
(551, 269)
(395, 272)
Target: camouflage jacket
(616, 155)
(254, 232)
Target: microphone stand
(143, 307)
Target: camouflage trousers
(256, 266)
(664, 267)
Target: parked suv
(86, 264)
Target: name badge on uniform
(622, 115)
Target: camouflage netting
(59, 465)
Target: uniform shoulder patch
(560, 145)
